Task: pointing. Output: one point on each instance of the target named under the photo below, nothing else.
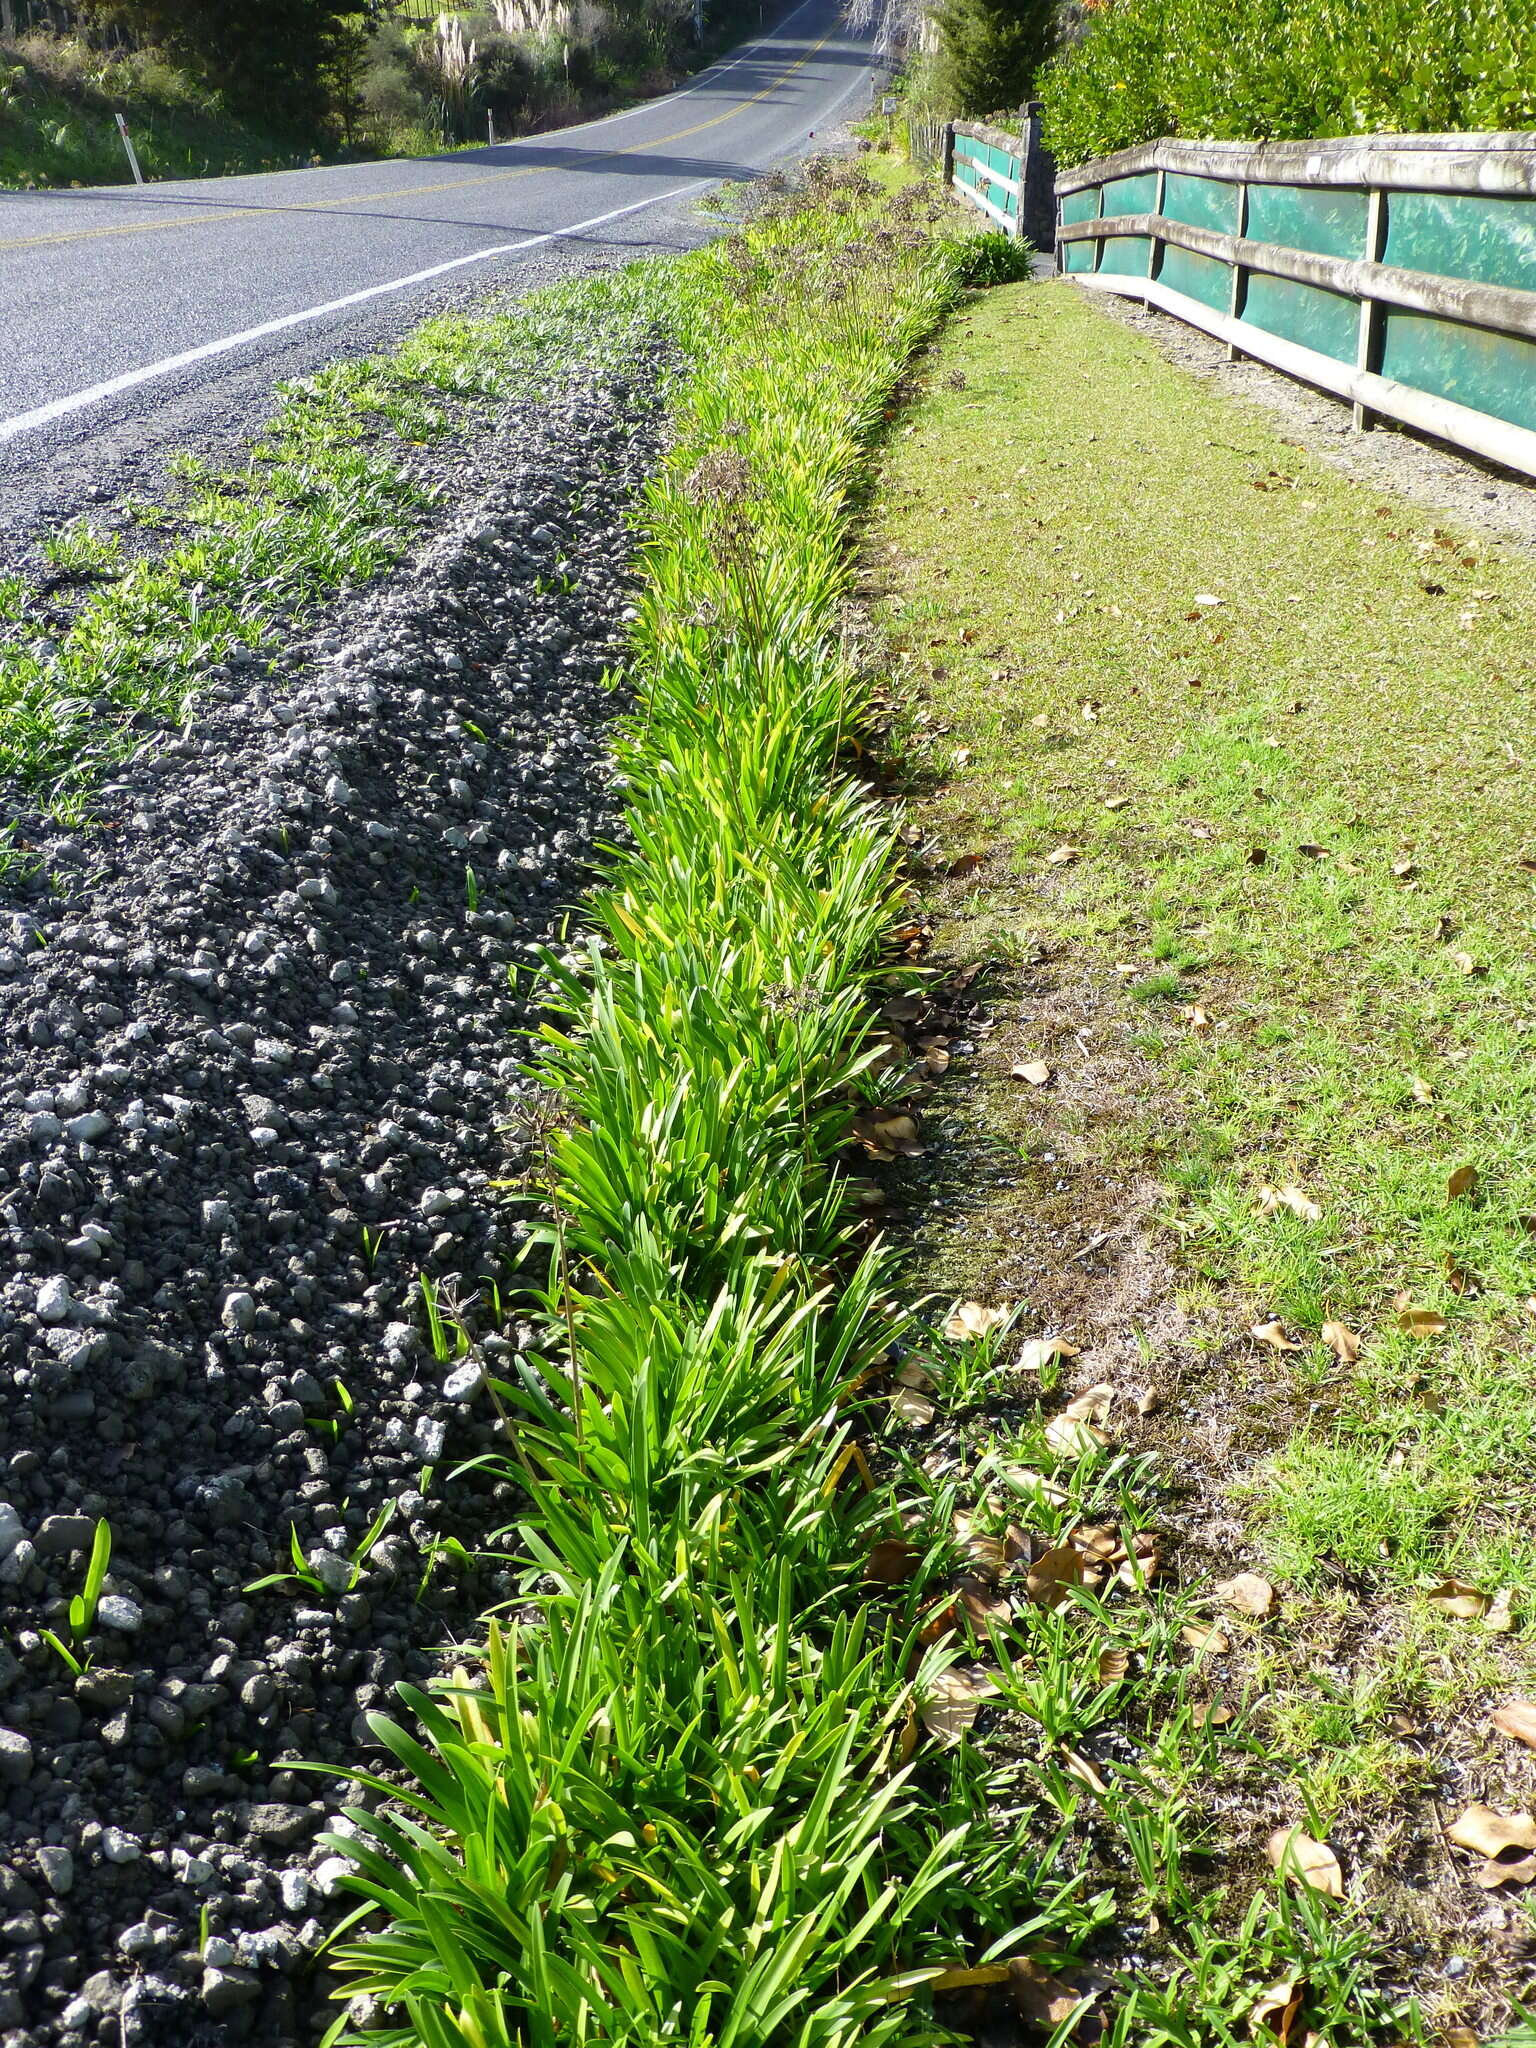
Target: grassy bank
(1221, 756)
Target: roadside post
(133, 161)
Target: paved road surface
(119, 299)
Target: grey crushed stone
(258, 1054)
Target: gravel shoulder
(259, 1049)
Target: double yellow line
(148, 227)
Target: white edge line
(59, 408)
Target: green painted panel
(1126, 255)
(1461, 234)
(1079, 255)
(1198, 277)
(1330, 223)
(973, 177)
(1131, 195)
(1076, 206)
(1325, 321)
(1201, 202)
(1493, 373)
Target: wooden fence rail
(1006, 177)
(1395, 271)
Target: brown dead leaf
(1080, 1768)
(1462, 1182)
(969, 1319)
(1296, 1855)
(1051, 1576)
(1038, 1353)
(1292, 1198)
(1488, 1832)
(1211, 1714)
(1517, 1720)
(888, 1134)
(1093, 1404)
(1500, 1618)
(1275, 2011)
(1420, 1322)
(1342, 1342)
(1116, 803)
(912, 1408)
(1040, 1998)
(915, 1375)
(1063, 856)
(1208, 1639)
(1194, 1016)
(982, 1603)
(1248, 1594)
(1459, 1600)
(954, 1700)
(1038, 1073)
(1032, 1485)
(1113, 1665)
(965, 864)
(892, 1562)
(1072, 1437)
(1273, 1334)
(1310, 850)
(1420, 1089)
(1405, 869)
(1466, 965)
(1505, 1870)
(935, 1058)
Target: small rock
(225, 1991)
(116, 1610)
(118, 1846)
(53, 1300)
(58, 1868)
(15, 1757)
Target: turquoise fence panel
(1328, 221)
(1126, 255)
(1079, 255)
(1076, 206)
(1201, 203)
(1492, 373)
(1198, 277)
(1131, 195)
(1325, 321)
(1462, 234)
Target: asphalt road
(119, 301)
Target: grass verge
(1224, 753)
(796, 1735)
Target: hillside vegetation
(1288, 68)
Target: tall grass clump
(685, 1797)
(1289, 69)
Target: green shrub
(995, 258)
(1234, 69)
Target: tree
(272, 56)
(990, 50)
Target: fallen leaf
(1516, 1720)
(1342, 1342)
(968, 1319)
(1488, 1832)
(1466, 964)
(1052, 1575)
(1459, 1600)
(892, 1562)
(1040, 1998)
(983, 1603)
(1038, 1073)
(916, 1376)
(1273, 1334)
(1149, 1403)
(1211, 1714)
(1116, 803)
(967, 864)
(1113, 1665)
(936, 1059)
(1500, 1618)
(1420, 1322)
(955, 1698)
(1062, 856)
(1040, 1352)
(1507, 1870)
(1093, 1404)
(1206, 598)
(1420, 1089)
(1462, 1182)
(1080, 1768)
(1310, 850)
(1274, 2012)
(1256, 856)
(888, 1134)
(1072, 1437)
(1209, 1640)
(962, 756)
(1405, 870)
(1296, 1855)
(1292, 1198)
(1248, 1594)
(915, 1409)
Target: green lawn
(1277, 729)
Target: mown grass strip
(1271, 722)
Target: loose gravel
(259, 1048)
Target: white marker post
(490, 127)
(133, 162)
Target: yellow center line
(415, 191)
